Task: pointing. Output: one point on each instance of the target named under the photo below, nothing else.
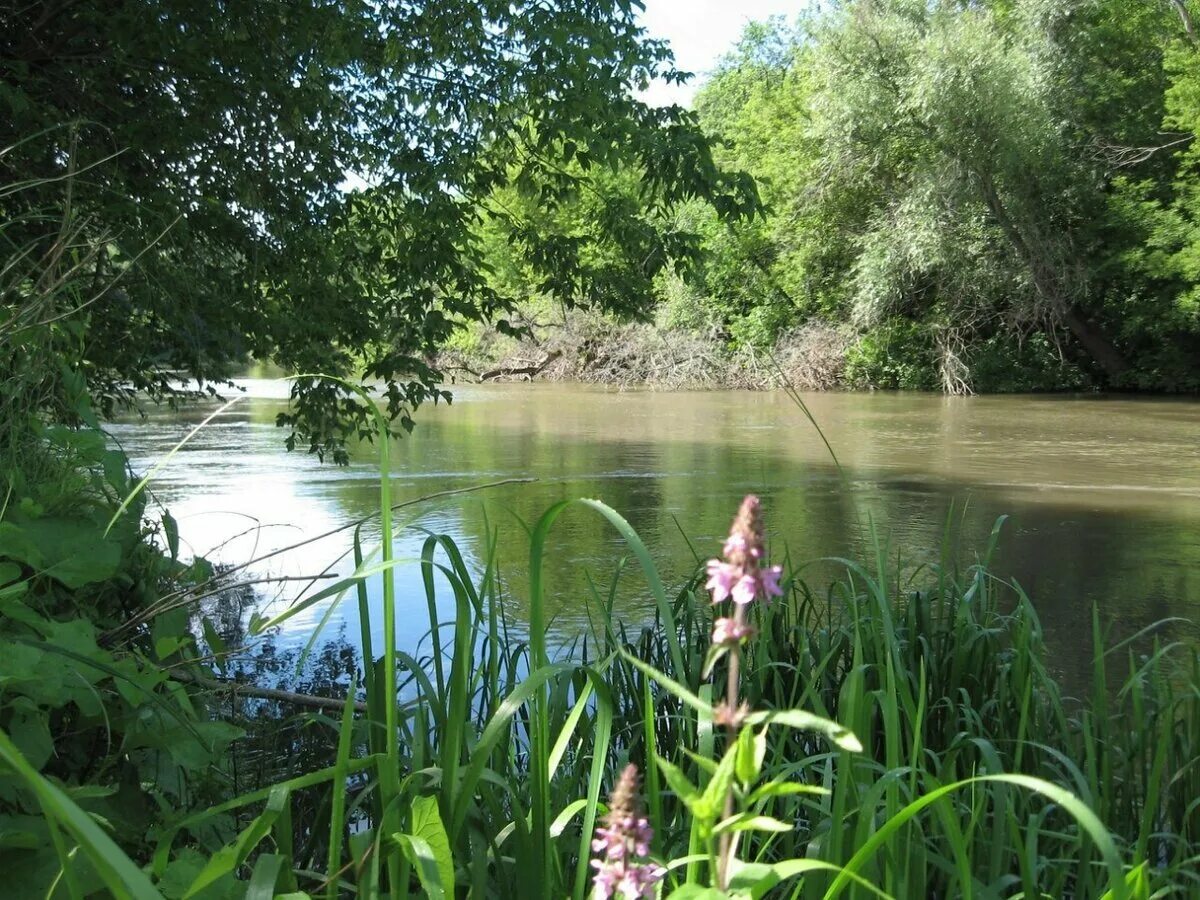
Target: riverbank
(587, 347)
(903, 734)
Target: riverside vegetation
(172, 203)
(897, 738)
(959, 196)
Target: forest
(383, 199)
(964, 197)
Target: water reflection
(1103, 495)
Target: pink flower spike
(745, 590)
(623, 871)
(728, 631)
(770, 581)
(721, 579)
(733, 544)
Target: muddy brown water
(1102, 495)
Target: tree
(971, 174)
(208, 145)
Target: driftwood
(590, 349)
(523, 371)
(265, 693)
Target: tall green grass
(478, 770)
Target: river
(1102, 495)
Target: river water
(1102, 495)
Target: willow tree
(300, 182)
(950, 109)
(967, 175)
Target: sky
(701, 32)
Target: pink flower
(721, 579)
(770, 582)
(741, 575)
(622, 872)
(730, 631)
(746, 589)
(733, 544)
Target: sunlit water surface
(1102, 495)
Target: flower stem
(725, 852)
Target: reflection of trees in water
(279, 741)
(1135, 566)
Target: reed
(957, 766)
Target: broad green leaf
(118, 871)
(427, 825)
(423, 860)
(806, 721)
(751, 751)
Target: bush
(1004, 365)
(896, 354)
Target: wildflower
(740, 576)
(623, 873)
(721, 579)
(730, 631)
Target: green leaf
(216, 644)
(751, 877)
(748, 822)
(806, 721)
(672, 686)
(30, 729)
(9, 572)
(696, 892)
(116, 470)
(169, 644)
(116, 869)
(679, 782)
(756, 878)
(422, 857)
(72, 551)
(264, 877)
(427, 825)
(171, 530)
(231, 856)
(784, 789)
(751, 751)
(709, 806)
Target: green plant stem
(732, 685)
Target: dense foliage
(965, 769)
(184, 187)
(198, 157)
(974, 196)
(996, 195)
(963, 186)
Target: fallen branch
(527, 371)
(264, 693)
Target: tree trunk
(1096, 343)
(1048, 283)
(1186, 18)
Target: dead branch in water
(521, 371)
(592, 349)
(264, 693)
